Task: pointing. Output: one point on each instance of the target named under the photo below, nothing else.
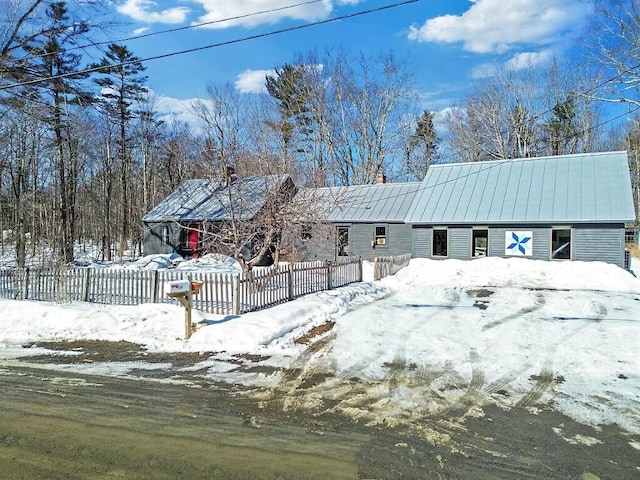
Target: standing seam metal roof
(385, 202)
(592, 187)
(203, 199)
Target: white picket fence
(221, 293)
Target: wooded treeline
(84, 152)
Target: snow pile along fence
(221, 293)
(385, 266)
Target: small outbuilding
(570, 207)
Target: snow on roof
(215, 200)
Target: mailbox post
(183, 291)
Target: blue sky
(446, 44)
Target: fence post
(329, 282)
(86, 281)
(376, 266)
(25, 284)
(154, 286)
(290, 282)
(360, 269)
(235, 296)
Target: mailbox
(176, 287)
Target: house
(183, 221)
(570, 207)
(363, 220)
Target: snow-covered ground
(499, 325)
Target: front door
(193, 240)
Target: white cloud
(529, 59)
(218, 10)
(496, 26)
(140, 31)
(484, 70)
(519, 61)
(179, 109)
(142, 10)
(253, 81)
(441, 119)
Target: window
(165, 235)
(305, 231)
(561, 243)
(480, 243)
(381, 236)
(343, 241)
(439, 243)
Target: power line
(498, 162)
(177, 29)
(215, 45)
(584, 93)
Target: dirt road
(177, 423)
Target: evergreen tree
(123, 87)
(59, 89)
(422, 146)
(561, 132)
(289, 88)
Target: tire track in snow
(543, 381)
(537, 305)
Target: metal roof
(204, 199)
(593, 187)
(382, 202)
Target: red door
(193, 240)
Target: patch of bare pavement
(418, 422)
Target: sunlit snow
(515, 320)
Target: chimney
(229, 174)
(381, 178)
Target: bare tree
(227, 117)
(15, 16)
(342, 115)
(496, 121)
(614, 46)
(525, 113)
(21, 151)
(364, 129)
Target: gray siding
(603, 243)
(322, 244)
(401, 238)
(362, 234)
(421, 242)
(588, 243)
(460, 243)
(360, 237)
(541, 241)
(152, 240)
